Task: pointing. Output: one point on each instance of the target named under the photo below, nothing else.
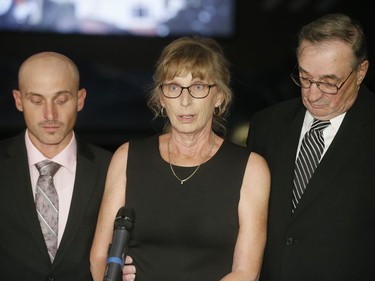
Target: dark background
(116, 70)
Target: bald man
(49, 98)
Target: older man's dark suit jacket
(23, 253)
(331, 236)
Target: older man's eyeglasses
(324, 87)
(197, 91)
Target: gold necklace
(196, 169)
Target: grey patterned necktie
(311, 150)
(47, 204)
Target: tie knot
(47, 168)
(319, 125)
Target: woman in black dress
(200, 201)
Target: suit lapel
(21, 185)
(287, 157)
(84, 187)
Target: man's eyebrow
(325, 76)
(56, 94)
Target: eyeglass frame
(318, 82)
(187, 88)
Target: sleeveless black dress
(183, 231)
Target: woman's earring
(163, 112)
(217, 111)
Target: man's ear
(362, 71)
(81, 99)
(18, 100)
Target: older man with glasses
(320, 149)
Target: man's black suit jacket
(23, 253)
(331, 236)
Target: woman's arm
(113, 199)
(252, 212)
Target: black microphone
(117, 250)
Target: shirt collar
(335, 122)
(66, 158)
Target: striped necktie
(311, 150)
(47, 204)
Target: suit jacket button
(289, 241)
(51, 278)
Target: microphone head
(125, 218)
